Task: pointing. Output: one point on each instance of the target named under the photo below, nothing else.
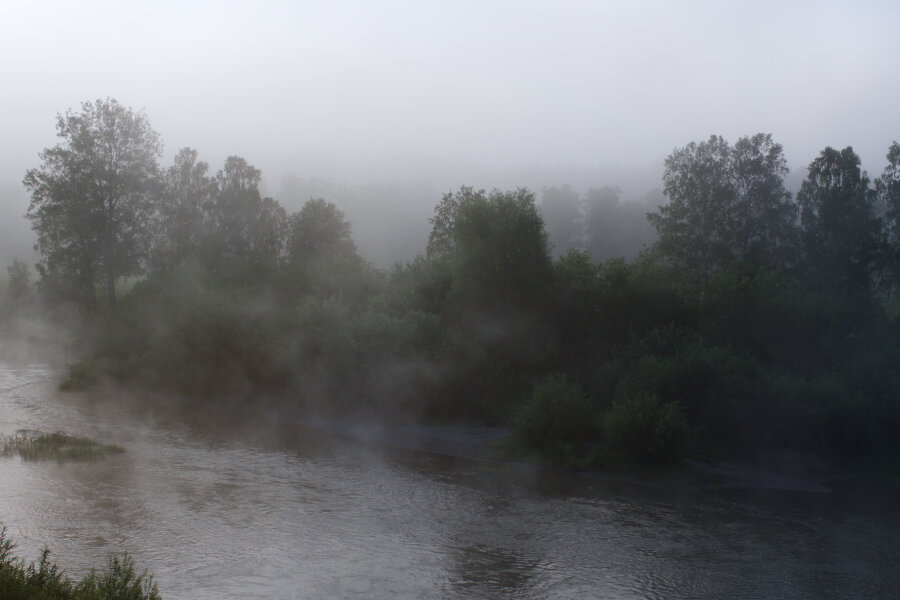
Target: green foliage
(721, 393)
(643, 427)
(90, 199)
(557, 419)
(182, 331)
(888, 195)
(726, 204)
(840, 231)
(495, 245)
(716, 339)
(319, 231)
(119, 581)
(181, 225)
(241, 224)
(46, 581)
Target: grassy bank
(44, 580)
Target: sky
(453, 91)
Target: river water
(219, 504)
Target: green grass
(59, 446)
(46, 581)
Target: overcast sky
(386, 89)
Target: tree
(322, 257)
(495, 245)
(320, 231)
(181, 226)
(244, 226)
(765, 222)
(839, 228)
(726, 204)
(888, 192)
(91, 198)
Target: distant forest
(720, 317)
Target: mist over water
(353, 210)
(241, 506)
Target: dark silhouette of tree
(91, 199)
(765, 230)
(495, 245)
(243, 225)
(319, 231)
(888, 192)
(839, 227)
(187, 196)
(726, 204)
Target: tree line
(104, 210)
(756, 320)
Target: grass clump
(46, 581)
(59, 446)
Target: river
(221, 504)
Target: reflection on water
(224, 504)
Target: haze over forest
(382, 107)
(304, 266)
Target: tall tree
(91, 198)
(726, 204)
(187, 195)
(244, 225)
(764, 225)
(839, 227)
(888, 191)
(320, 231)
(495, 246)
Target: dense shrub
(557, 415)
(46, 581)
(644, 428)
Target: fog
(483, 413)
(430, 96)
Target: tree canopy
(243, 225)
(495, 245)
(837, 218)
(91, 199)
(726, 204)
(888, 191)
(320, 231)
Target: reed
(59, 446)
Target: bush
(46, 581)
(644, 428)
(120, 581)
(720, 393)
(557, 415)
